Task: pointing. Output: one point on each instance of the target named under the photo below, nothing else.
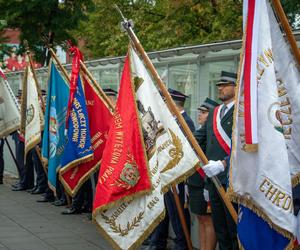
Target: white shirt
(228, 106)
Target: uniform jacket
(209, 143)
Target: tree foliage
(37, 18)
(163, 24)
(159, 24)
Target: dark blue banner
(78, 148)
(54, 138)
(255, 233)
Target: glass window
(210, 74)
(109, 78)
(184, 79)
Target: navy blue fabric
(256, 234)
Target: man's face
(226, 92)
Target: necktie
(222, 112)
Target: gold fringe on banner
(139, 241)
(82, 180)
(252, 206)
(74, 163)
(181, 178)
(251, 148)
(295, 180)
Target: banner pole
(11, 153)
(37, 148)
(128, 27)
(182, 218)
(104, 97)
(37, 84)
(63, 70)
(287, 29)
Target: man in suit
(159, 237)
(215, 139)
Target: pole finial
(125, 24)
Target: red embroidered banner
(124, 168)
(99, 122)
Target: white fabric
(163, 155)
(222, 111)
(253, 174)
(221, 130)
(206, 195)
(213, 168)
(288, 73)
(34, 115)
(9, 110)
(229, 106)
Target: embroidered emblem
(129, 175)
(117, 228)
(175, 153)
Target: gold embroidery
(117, 228)
(175, 153)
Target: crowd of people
(197, 195)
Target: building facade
(193, 70)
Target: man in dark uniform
(159, 237)
(215, 139)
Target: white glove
(206, 195)
(213, 168)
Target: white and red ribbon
(222, 137)
(251, 7)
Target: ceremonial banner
(54, 138)
(261, 181)
(163, 137)
(78, 148)
(171, 159)
(124, 170)
(32, 118)
(99, 122)
(9, 108)
(127, 225)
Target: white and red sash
(222, 137)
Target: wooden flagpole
(104, 98)
(63, 70)
(12, 154)
(37, 148)
(89, 75)
(287, 29)
(86, 71)
(127, 26)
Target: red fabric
(77, 56)
(247, 74)
(201, 172)
(124, 154)
(217, 134)
(99, 122)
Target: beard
(227, 97)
